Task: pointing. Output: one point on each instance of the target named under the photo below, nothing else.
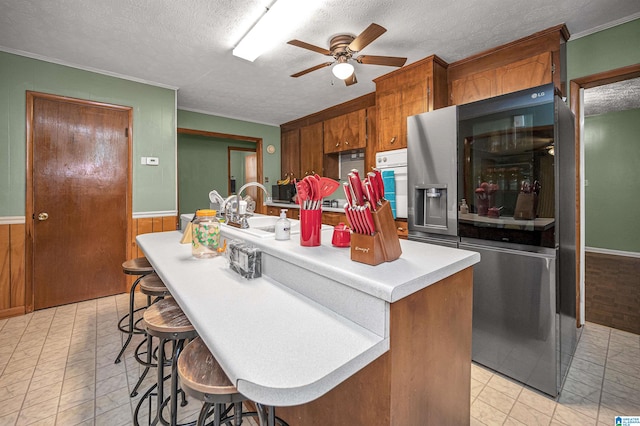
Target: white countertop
(419, 266)
(278, 345)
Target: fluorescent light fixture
(342, 70)
(273, 27)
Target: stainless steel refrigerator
(512, 159)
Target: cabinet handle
(337, 144)
(393, 140)
(346, 142)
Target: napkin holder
(383, 245)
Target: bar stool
(202, 378)
(166, 321)
(139, 266)
(152, 286)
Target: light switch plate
(153, 161)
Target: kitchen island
(330, 341)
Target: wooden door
(78, 197)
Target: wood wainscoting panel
(12, 274)
(18, 278)
(612, 291)
(148, 225)
(5, 268)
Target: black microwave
(283, 193)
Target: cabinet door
(334, 218)
(290, 155)
(345, 132)
(333, 133)
(354, 135)
(389, 120)
(311, 149)
(530, 72)
(481, 85)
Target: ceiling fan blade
(308, 70)
(309, 47)
(351, 79)
(391, 61)
(372, 32)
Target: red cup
(310, 225)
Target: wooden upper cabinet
(528, 62)
(413, 89)
(519, 75)
(290, 155)
(345, 132)
(311, 144)
(474, 87)
(530, 72)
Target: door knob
(43, 216)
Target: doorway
(607, 271)
(78, 201)
(242, 168)
(203, 165)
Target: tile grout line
(34, 368)
(66, 363)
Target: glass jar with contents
(205, 234)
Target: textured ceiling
(187, 45)
(619, 96)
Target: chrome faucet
(231, 206)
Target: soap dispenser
(283, 226)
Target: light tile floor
(56, 368)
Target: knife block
(383, 245)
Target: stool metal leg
(131, 329)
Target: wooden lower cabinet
(334, 218)
(402, 228)
(424, 378)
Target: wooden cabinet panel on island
(311, 145)
(290, 156)
(413, 89)
(345, 132)
(519, 75)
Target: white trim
(605, 26)
(612, 252)
(144, 215)
(200, 111)
(12, 220)
(84, 68)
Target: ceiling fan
(342, 47)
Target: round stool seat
(137, 266)
(152, 285)
(202, 378)
(165, 316)
(199, 370)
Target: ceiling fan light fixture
(342, 70)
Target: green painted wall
(606, 50)
(611, 143)
(612, 198)
(202, 167)
(154, 124)
(270, 136)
